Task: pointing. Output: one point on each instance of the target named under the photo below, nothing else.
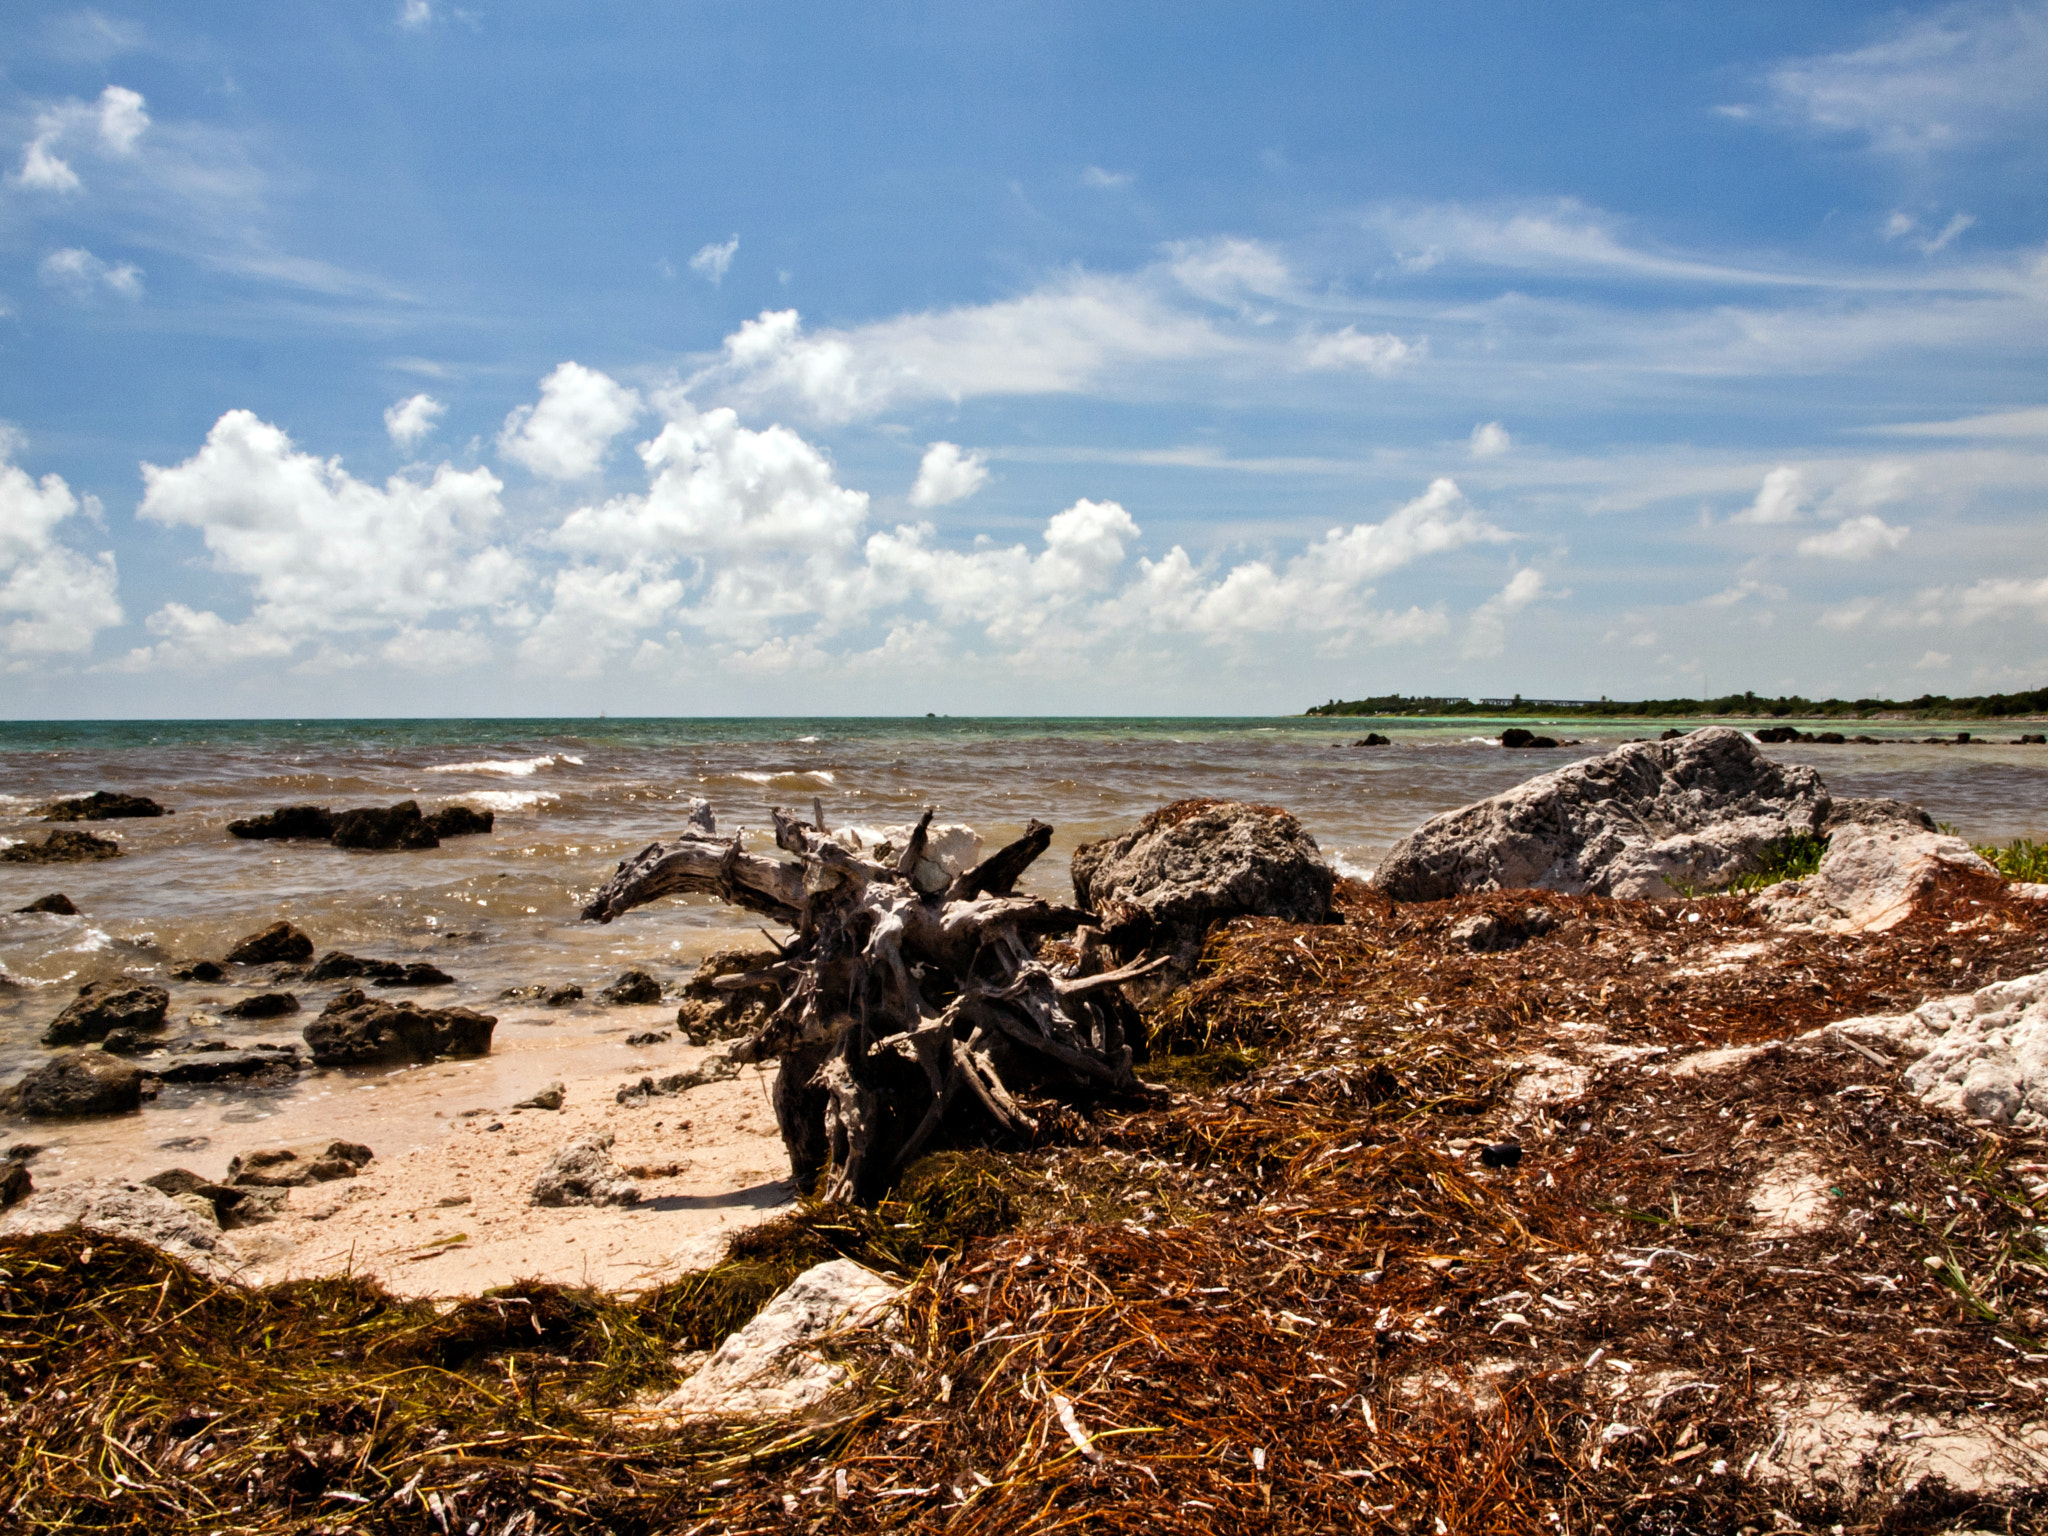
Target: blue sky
(669, 358)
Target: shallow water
(572, 797)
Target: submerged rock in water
(81, 1083)
(583, 1173)
(773, 1368)
(1635, 822)
(57, 904)
(106, 1005)
(631, 988)
(264, 1005)
(1516, 739)
(309, 821)
(353, 1030)
(119, 1208)
(310, 1162)
(461, 821)
(102, 805)
(63, 847)
(418, 974)
(279, 942)
(384, 827)
(1875, 876)
(198, 970)
(1158, 887)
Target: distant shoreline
(2002, 707)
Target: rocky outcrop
(231, 1206)
(121, 1209)
(1856, 811)
(102, 805)
(216, 1062)
(1983, 1054)
(63, 847)
(81, 1083)
(632, 987)
(311, 1162)
(1639, 821)
(309, 821)
(56, 904)
(774, 1367)
(16, 1185)
(583, 1173)
(107, 1005)
(384, 827)
(461, 821)
(207, 971)
(355, 1031)
(730, 994)
(1876, 875)
(1515, 739)
(279, 942)
(1157, 888)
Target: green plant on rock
(1789, 858)
(2020, 859)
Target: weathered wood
(906, 1018)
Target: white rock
(950, 849)
(1635, 822)
(1872, 878)
(771, 1368)
(1983, 1054)
(118, 1208)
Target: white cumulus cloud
(113, 126)
(1855, 538)
(82, 277)
(1490, 440)
(52, 599)
(412, 420)
(567, 434)
(715, 260)
(415, 15)
(1382, 354)
(946, 475)
(1487, 634)
(325, 553)
(1778, 500)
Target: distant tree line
(1748, 705)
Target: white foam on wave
(756, 778)
(815, 775)
(802, 739)
(508, 802)
(1349, 870)
(510, 767)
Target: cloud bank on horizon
(1238, 426)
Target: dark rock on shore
(233, 1205)
(1157, 888)
(104, 1005)
(311, 821)
(56, 903)
(198, 970)
(310, 1162)
(63, 847)
(719, 1004)
(632, 987)
(376, 828)
(562, 996)
(81, 1083)
(1635, 822)
(279, 942)
(418, 974)
(215, 1066)
(102, 805)
(1373, 739)
(264, 1005)
(15, 1183)
(461, 821)
(353, 1030)
(2032, 739)
(1517, 739)
(1777, 735)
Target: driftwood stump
(905, 1015)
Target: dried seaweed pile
(1298, 1298)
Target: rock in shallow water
(107, 1005)
(102, 805)
(1635, 822)
(1160, 886)
(310, 821)
(384, 827)
(264, 1005)
(353, 1031)
(279, 942)
(57, 904)
(63, 847)
(632, 987)
(81, 1083)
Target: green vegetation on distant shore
(1929, 706)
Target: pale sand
(429, 1128)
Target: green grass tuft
(1789, 858)
(2020, 859)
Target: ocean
(573, 797)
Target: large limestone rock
(773, 1368)
(1639, 821)
(80, 1083)
(108, 1005)
(1875, 875)
(1983, 1054)
(1157, 888)
(118, 1208)
(354, 1031)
